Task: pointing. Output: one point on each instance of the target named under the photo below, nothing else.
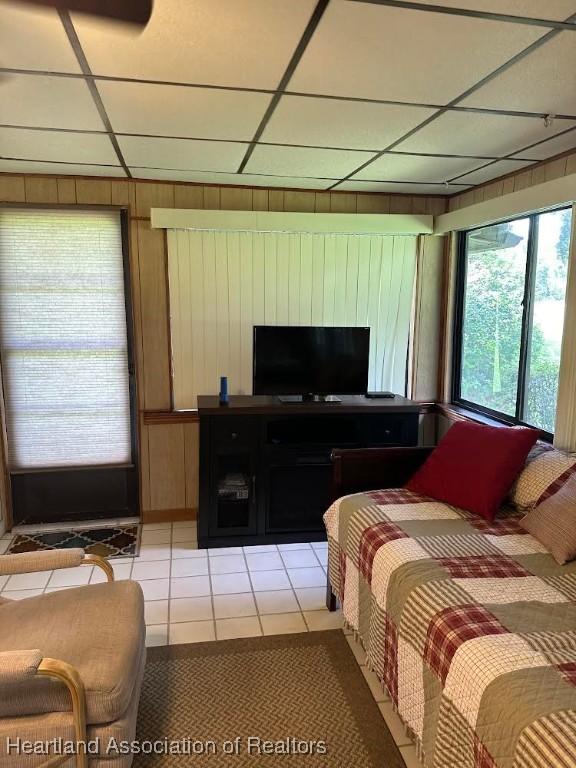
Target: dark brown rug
(288, 701)
(110, 541)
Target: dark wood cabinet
(265, 466)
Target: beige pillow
(545, 466)
(553, 523)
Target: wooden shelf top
(208, 405)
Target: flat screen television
(303, 360)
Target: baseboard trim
(168, 515)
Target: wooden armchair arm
(51, 560)
(368, 469)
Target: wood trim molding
(170, 417)
(168, 515)
(271, 221)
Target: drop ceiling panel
(34, 38)
(181, 154)
(542, 82)
(53, 145)
(222, 42)
(334, 123)
(298, 161)
(176, 111)
(417, 168)
(390, 53)
(499, 168)
(59, 169)
(553, 10)
(468, 133)
(232, 179)
(562, 143)
(398, 189)
(47, 102)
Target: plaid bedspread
(469, 625)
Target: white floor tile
(299, 558)
(3, 580)
(157, 634)
(190, 566)
(122, 571)
(230, 583)
(228, 629)
(155, 589)
(290, 547)
(307, 577)
(191, 609)
(356, 649)
(319, 620)
(283, 624)
(318, 546)
(229, 564)
(53, 589)
(283, 601)
(21, 594)
(222, 551)
(234, 606)
(4, 544)
(184, 534)
(154, 552)
(71, 577)
(264, 561)
(184, 524)
(191, 632)
(186, 549)
(158, 569)
(190, 586)
(263, 581)
(156, 536)
(395, 725)
(322, 555)
(156, 526)
(156, 612)
(259, 548)
(28, 581)
(312, 598)
(375, 685)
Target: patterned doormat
(289, 701)
(112, 541)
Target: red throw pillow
(474, 466)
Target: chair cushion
(474, 466)
(99, 629)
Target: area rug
(288, 701)
(111, 541)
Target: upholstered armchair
(71, 666)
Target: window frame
(526, 327)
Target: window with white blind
(63, 339)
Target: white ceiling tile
(469, 133)
(34, 38)
(299, 161)
(389, 53)
(355, 185)
(395, 167)
(553, 10)
(177, 111)
(54, 145)
(59, 169)
(562, 143)
(335, 123)
(221, 42)
(235, 179)
(544, 81)
(181, 154)
(47, 102)
(499, 168)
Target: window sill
(459, 413)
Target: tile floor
(193, 595)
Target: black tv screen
(300, 360)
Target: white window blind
(224, 283)
(63, 338)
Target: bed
(470, 626)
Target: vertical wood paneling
(66, 189)
(167, 466)
(192, 464)
(94, 191)
(188, 196)
(280, 278)
(41, 189)
(12, 189)
(153, 196)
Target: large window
(63, 339)
(510, 316)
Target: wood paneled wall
(169, 451)
(563, 165)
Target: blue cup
(223, 390)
